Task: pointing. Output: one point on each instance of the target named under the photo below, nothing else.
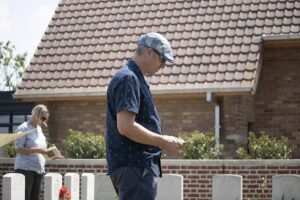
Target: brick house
(237, 65)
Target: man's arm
(128, 127)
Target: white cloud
(5, 20)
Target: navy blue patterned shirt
(128, 90)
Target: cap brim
(169, 58)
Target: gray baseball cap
(159, 43)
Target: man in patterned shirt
(134, 137)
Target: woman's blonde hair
(38, 111)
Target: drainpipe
(211, 99)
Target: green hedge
(199, 146)
(264, 147)
(82, 145)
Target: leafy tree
(12, 66)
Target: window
(9, 122)
(18, 119)
(12, 113)
(4, 119)
(4, 129)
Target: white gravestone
(286, 187)
(13, 186)
(71, 181)
(170, 186)
(53, 183)
(104, 189)
(227, 187)
(87, 186)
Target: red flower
(62, 191)
(68, 195)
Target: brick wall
(181, 115)
(186, 115)
(197, 173)
(87, 116)
(236, 114)
(277, 101)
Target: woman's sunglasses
(43, 118)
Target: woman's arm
(27, 151)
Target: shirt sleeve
(20, 142)
(127, 94)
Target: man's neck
(139, 63)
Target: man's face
(156, 62)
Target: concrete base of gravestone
(170, 186)
(286, 187)
(71, 181)
(227, 187)
(13, 186)
(104, 189)
(53, 183)
(87, 186)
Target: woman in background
(30, 160)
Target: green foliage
(81, 145)
(264, 147)
(11, 152)
(200, 146)
(12, 66)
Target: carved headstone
(286, 187)
(53, 183)
(227, 187)
(13, 186)
(104, 189)
(170, 186)
(72, 180)
(87, 186)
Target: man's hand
(172, 144)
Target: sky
(23, 22)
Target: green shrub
(81, 145)
(11, 152)
(200, 146)
(264, 147)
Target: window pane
(28, 117)
(4, 119)
(18, 119)
(3, 129)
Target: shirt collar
(135, 68)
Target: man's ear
(148, 51)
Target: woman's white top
(34, 161)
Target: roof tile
(213, 42)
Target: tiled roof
(215, 43)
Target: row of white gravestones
(230, 187)
(93, 187)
